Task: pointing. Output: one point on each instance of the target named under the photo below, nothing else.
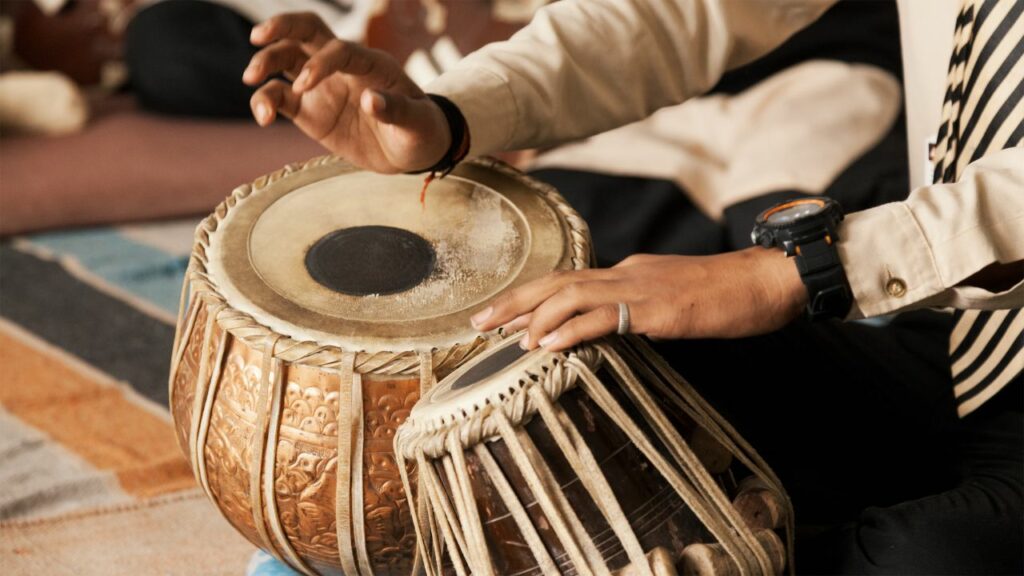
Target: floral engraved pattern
(307, 455)
(390, 537)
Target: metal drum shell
(238, 386)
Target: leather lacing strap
(674, 387)
(444, 516)
(184, 305)
(588, 470)
(702, 493)
(515, 507)
(179, 351)
(205, 388)
(419, 509)
(258, 446)
(456, 528)
(281, 541)
(349, 417)
(465, 504)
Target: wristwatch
(806, 229)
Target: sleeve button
(896, 287)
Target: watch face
(793, 211)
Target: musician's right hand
(357, 102)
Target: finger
(590, 326)
(273, 97)
(517, 324)
(338, 56)
(570, 300)
(303, 27)
(525, 298)
(388, 108)
(280, 57)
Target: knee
(976, 529)
(187, 56)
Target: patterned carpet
(94, 482)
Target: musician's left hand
(744, 293)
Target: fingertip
(478, 320)
(263, 114)
(373, 102)
(549, 341)
(249, 76)
(301, 82)
(261, 34)
(524, 342)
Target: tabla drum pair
(597, 461)
(319, 303)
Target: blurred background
(123, 122)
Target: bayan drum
(598, 461)
(319, 303)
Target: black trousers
(186, 57)
(858, 420)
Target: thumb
(405, 112)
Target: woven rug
(94, 482)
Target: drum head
(494, 372)
(350, 258)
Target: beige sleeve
(585, 66)
(795, 130)
(912, 254)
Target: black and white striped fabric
(983, 112)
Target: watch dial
(794, 213)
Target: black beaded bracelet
(459, 147)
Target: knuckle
(570, 331)
(574, 291)
(306, 17)
(608, 314)
(280, 23)
(502, 301)
(633, 260)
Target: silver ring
(623, 319)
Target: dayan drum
(320, 301)
(598, 461)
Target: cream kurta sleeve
(912, 254)
(585, 66)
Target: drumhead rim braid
(204, 287)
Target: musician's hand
(355, 101)
(732, 295)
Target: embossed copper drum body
(319, 303)
(588, 462)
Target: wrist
(454, 133)
(784, 290)
(806, 231)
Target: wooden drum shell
(656, 514)
(597, 459)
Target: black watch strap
(828, 291)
